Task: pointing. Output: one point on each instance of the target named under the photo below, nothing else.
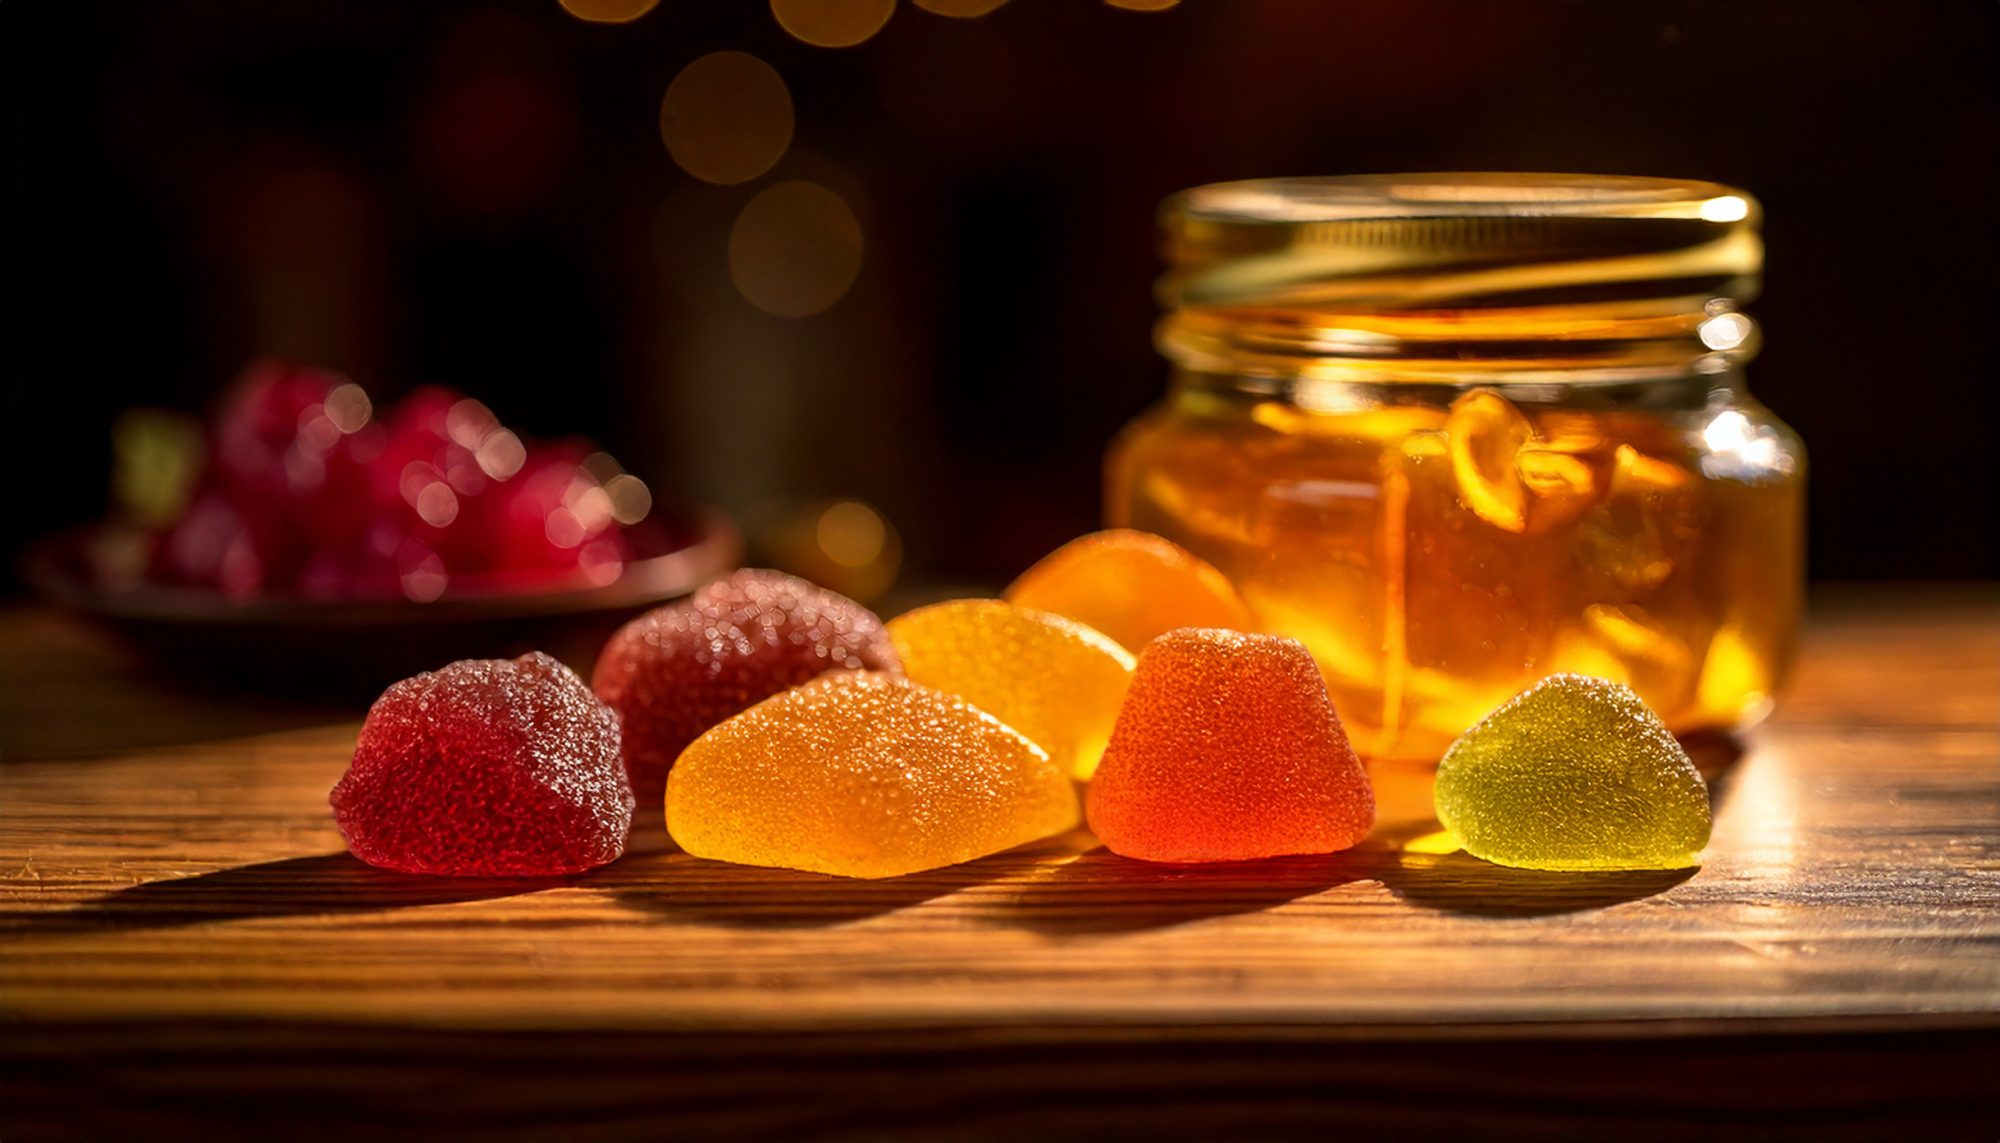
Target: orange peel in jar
(1485, 433)
(1561, 487)
(1133, 586)
(1635, 471)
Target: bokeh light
(1726, 331)
(726, 118)
(348, 407)
(630, 498)
(437, 504)
(962, 9)
(832, 23)
(851, 534)
(608, 11)
(1727, 208)
(420, 572)
(845, 545)
(795, 249)
(501, 454)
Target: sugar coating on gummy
(1574, 773)
(863, 775)
(1133, 586)
(487, 768)
(1228, 749)
(677, 670)
(1052, 679)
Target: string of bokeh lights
(795, 247)
(727, 118)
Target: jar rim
(1462, 194)
(1457, 266)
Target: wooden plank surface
(174, 891)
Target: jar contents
(1438, 556)
(1458, 432)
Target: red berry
(292, 452)
(308, 491)
(216, 544)
(487, 768)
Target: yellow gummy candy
(1573, 773)
(1133, 586)
(1052, 679)
(863, 775)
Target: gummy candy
(1054, 680)
(487, 768)
(1227, 748)
(1133, 586)
(863, 774)
(1573, 773)
(680, 669)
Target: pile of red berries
(306, 490)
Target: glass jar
(1458, 432)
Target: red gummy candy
(677, 670)
(1227, 748)
(487, 768)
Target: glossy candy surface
(1574, 773)
(1052, 679)
(487, 768)
(677, 670)
(863, 775)
(1133, 586)
(1227, 749)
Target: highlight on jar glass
(1458, 432)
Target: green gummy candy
(1574, 773)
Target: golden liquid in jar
(1437, 558)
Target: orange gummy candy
(1133, 586)
(1227, 749)
(863, 774)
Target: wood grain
(180, 929)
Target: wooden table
(186, 950)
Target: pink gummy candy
(677, 670)
(487, 768)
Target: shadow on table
(673, 884)
(331, 884)
(1098, 891)
(1460, 883)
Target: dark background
(477, 194)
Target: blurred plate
(286, 642)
